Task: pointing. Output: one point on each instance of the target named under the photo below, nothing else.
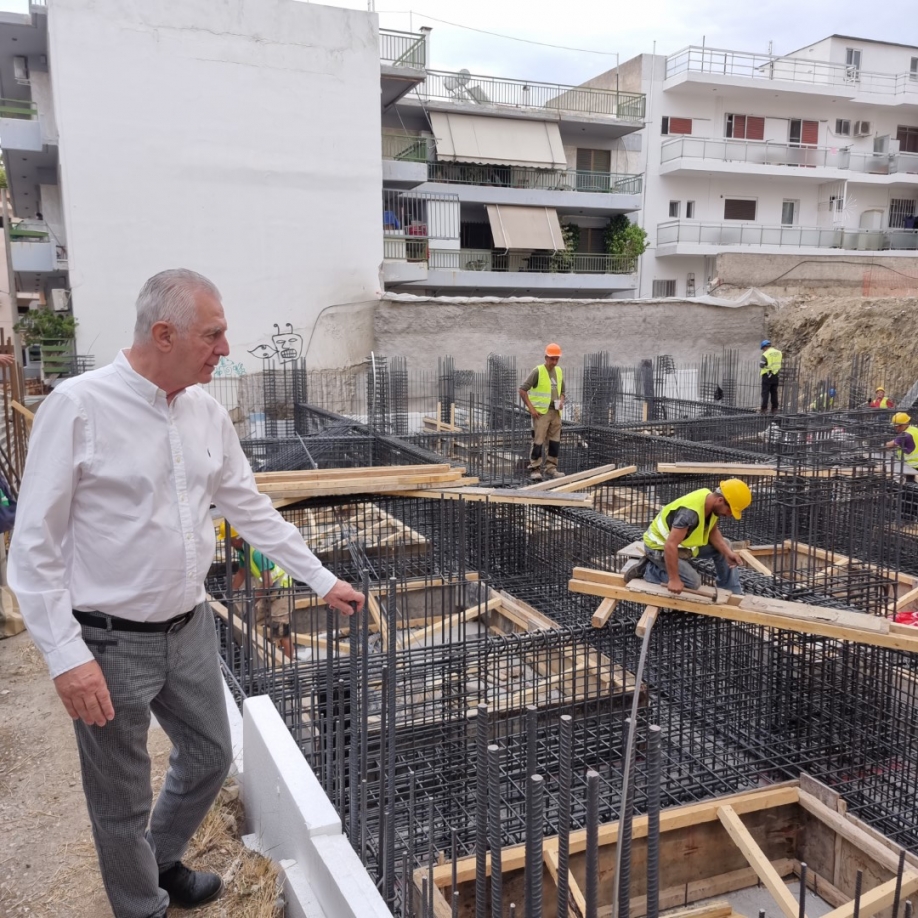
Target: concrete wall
(469, 329)
(238, 138)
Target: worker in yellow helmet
(543, 395)
(686, 531)
(905, 443)
(271, 584)
(881, 399)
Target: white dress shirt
(114, 509)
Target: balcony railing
(402, 49)
(525, 94)
(18, 108)
(420, 214)
(535, 263)
(773, 153)
(720, 62)
(538, 179)
(412, 148)
(755, 234)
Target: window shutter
(680, 125)
(584, 160)
(809, 134)
(594, 160)
(755, 128)
(738, 209)
(739, 126)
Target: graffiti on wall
(285, 346)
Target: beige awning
(515, 227)
(500, 141)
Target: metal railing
(535, 263)
(18, 108)
(538, 179)
(405, 147)
(722, 62)
(420, 214)
(755, 234)
(402, 49)
(774, 153)
(487, 90)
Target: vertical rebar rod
(481, 811)
(494, 803)
(383, 725)
(624, 833)
(802, 911)
(535, 831)
(592, 845)
(391, 625)
(455, 871)
(898, 893)
(328, 732)
(532, 739)
(858, 882)
(654, 763)
(565, 780)
(431, 853)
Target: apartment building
(811, 155)
(240, 139)
(496, 186)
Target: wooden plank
(878, 898)
(753, 562)
(647, 620)
(567, 479)
(28, 415)
(366, 471)
(497, 496)
(907, 599)
(719, 908)
(603, 612)
(717, 468)
(758, 861)
(563, 488)
(468, 615)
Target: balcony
(496, 95)
(691, 154)
(34, 250)
(678, 237)
(405, 158)
(538, 179)
(402, 63)
(410, 221)
(532, 263)
(19, 126)
(695, 64)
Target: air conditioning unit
(60, 299)
(862, 128)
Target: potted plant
(54, 333)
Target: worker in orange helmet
(543, 395)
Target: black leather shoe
(189, 888)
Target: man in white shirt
(113, 540)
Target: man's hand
(340, 597)
(7, 360)
(733, 559)
(85, 694)
(533, 414)
(675, 585)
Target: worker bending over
(686, 531)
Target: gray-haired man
(113, 540)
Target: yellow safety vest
(540, 396)
(912, 458)
(658, 532)
(773, 358)
(279, 577)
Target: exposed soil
(48, 864)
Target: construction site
(511, 728)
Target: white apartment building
(496, 186)
(239, 139)
(812, 155)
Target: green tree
(622, 237)
(39, 325)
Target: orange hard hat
(553, 350)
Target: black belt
(113, 623)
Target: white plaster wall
(52, 211)
(876, 57)
(44, 102)
(238, 138)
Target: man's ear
(163, 335)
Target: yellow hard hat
(879, 389)
(221, 532)
(737, 495)
(900, 417)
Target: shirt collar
(146, 389)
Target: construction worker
(268, 580)
(770, 367)
(686, 531)
(880, 400)
(906, 445)
(543, 395)
(824, 401)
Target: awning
(515, 227)
(500, 141)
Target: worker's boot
(553, 473)
(535, 475)
(636, 571)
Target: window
(836, 203)
(663, 288)
(745, 127)
(789, 211)
(843, 127)
(689, 210)
(913, 70)
(676, 125)
(592, 241)
(900, 210)
(852, 63)
(803, 133)
(674, 209)
(739, 208)
(593, 168)
(908, 138)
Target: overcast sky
(629, 28)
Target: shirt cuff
(72, 654)
(322, 582)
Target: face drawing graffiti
(263, 351)
(289, 344)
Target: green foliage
(622, 237)
(562, 260)
(3, 182)
(39, 325)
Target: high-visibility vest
(658, 532)
(773, 359)
(912, 457)
(540, 396)
(881, 403)
(279, 577)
